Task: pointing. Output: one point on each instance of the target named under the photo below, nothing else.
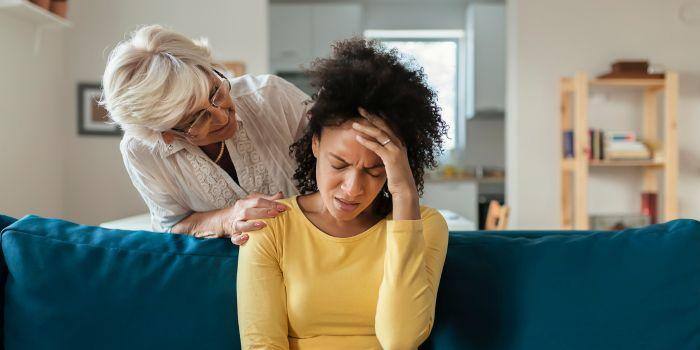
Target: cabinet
(486, 59)
(301, 32)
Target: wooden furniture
(497, 217)
(574, 93)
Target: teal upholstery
(4, 222)
(84, 287)
(634, 289)
(79, 287)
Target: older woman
(204, 150)
(356, 262)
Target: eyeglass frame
(202, 112)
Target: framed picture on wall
(92, 118)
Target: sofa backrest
(86, 287)
(633, 289)
(4, 222)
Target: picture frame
(92, 117)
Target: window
(439, 53)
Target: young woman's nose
(352, 184)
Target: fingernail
(281, 207)
(258, 224)
(244, 237)
(355, 125)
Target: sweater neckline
(327, 236)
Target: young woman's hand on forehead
(378, 137)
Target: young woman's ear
(314, 145)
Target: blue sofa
(69, 286)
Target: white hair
(155, 78)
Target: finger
(370, 131)
(381, 124)
(373, 146)
(262, 202)
(278, 195)
(258, 213)
(248, 226)
(239, 239)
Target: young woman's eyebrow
(378, 165)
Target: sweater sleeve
(413, 261)
(261, 295)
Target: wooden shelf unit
(574, 93)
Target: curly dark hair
(363, 73)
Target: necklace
(221, 152)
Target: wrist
(406, 207)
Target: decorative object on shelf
(92, 117)
(45, 4)
(617, 222)
(59, 7)
(649, 208)
(631, 70)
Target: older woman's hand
(242, 216)
(234, 221)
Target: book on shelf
(608, 145)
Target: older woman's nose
(352, 185)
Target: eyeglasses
(198, 124)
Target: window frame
(430, 35)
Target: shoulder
(270, 239)
(434, 224)
(281, 223)
(134, 149)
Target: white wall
(97, 187)
(549, 39)
(31, 120)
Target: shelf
(623, 163)
(30, 12)
(659, 175)
(642, 83)
(568, 164)
(567, 84)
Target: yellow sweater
(300, 288)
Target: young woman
(356, 262)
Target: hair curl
(363, 73)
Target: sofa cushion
(634, 289)
(80, 287)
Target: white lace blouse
(178, 179)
